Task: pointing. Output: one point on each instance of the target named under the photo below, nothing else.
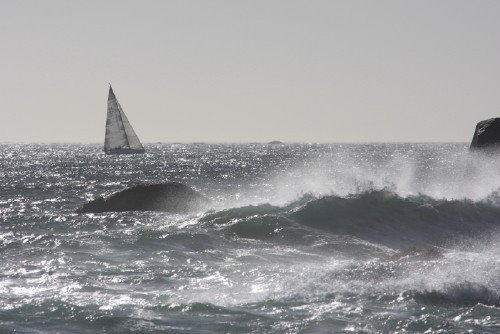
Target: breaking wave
(460, 294)
(380, 216)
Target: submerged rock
(487, 134)
(168, 197)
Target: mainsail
(120, 136)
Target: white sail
(120, 136)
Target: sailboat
(120, 136)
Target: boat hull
(125, 151)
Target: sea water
(301, 238)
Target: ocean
(301, 238)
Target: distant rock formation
(487, 134)
(168, 197)
(275, 143)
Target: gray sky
(230, 71)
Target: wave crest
(381, 217)
(461, 294)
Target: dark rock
(487, 134)
(169, 197)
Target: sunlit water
(301, 238)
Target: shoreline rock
(486, 135)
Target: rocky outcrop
(168, 197)
(487, 135)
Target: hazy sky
(231, 71)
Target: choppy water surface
(301, 238)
